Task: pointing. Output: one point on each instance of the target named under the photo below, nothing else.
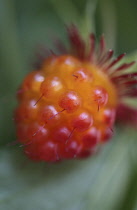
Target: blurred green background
(107, 181)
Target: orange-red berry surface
(66, 109)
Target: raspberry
(57, 118)
(91, 138)
(67, 107)
(100, 95)
(83, 121)
(69, 101)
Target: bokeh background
(107, 181)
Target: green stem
(68, 13)
(108, 17)
(88, 21)
(66, 10)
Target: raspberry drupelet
(67, 107)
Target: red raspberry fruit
(67, 108)
(63, 122)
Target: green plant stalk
(66, 10)
(88, 21)
(108, 17)
(68, 13)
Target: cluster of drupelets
(66, 110)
